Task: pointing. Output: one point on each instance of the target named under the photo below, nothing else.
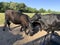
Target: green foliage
(42, 10)
(31, 10)
(11, 5)
(2, 18)
(21, 6)
(49, 11)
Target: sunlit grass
(1, 18)
(30, 14)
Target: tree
(12, 5)
(21, 6)
(31, 10)
(3, 6)
(42, 10)
(49, 11)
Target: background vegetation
(21, 6)
(1, 18)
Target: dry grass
(1, 18)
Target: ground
(15, 37)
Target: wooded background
(21, 6)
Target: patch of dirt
(15, 37)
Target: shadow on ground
(8, 38)
(11, 37)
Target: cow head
(36, 27)
(35, 24)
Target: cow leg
(9, 25)
(21, 30)
(5, 25)
(26, 31)
(30, 30)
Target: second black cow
(48, 22)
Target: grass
(2, 17)
(30, 14)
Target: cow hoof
(3, 29)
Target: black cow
(49, 22)
(35, 24)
